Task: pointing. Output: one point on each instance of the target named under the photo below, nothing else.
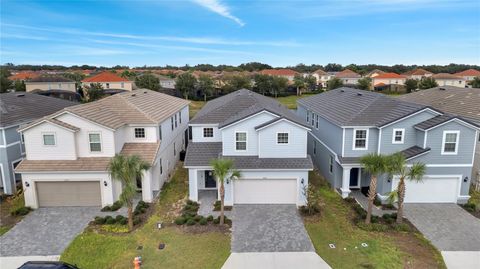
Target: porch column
(147, 193)
(192, 185)
(345, 182)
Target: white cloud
(218, 7)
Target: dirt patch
(420, 254)
(6, 204)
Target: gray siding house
(17, 109)
(349, 123)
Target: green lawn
(194, 107)
(385, 250)
(474, 197)
(291, 101)
(183, 250)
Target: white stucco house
(445, 79)
(266, 141)
(68, 152)
(109, 81)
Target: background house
(322, 77)
(468, 75)
(418, 73)
(286, 73)
(389, 82)
(109, 81)
(445, 79)
(47, 83)
(348, 77)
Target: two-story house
(418, 73)
(266, 141)
(286, 73)
(322, 77)
(18, 109)
(48, 83)
(348, 77)
(109, 81)
(445, 79)
(348, 124)
(469, 75)
(68, 153)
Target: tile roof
(99, 164)
(24, 76)
(279, 72)
(146, 151)
(63, 124)
(454, 100)
(414, 151)
(347, 73)
(238, 105)
(432, 122)
(468, 73)
(21, 108)
(389, 75)
(135, 107)
(417, 72)
(446, 76)
(320, 72)
(201, 153)
(105, 76)
(352, 107)
(49, 79)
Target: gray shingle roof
(238, 105)
(427, 124)
(414, 151)
(201, 154)
(20, 108)
(353, 107)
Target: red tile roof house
(348, 77)
(418, 73)
(286, 73)
(469, 74)
(110, 81)
(389, 81)
(24, 76)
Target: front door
(354, 178)
(210, 180)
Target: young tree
(279, 84)
(224, 171)
(427, 83)
(311, 82)
(396, 164)
(205, 85)
(299, 83)
(263, 83)
(185, 83)
(148, 81)
(19, 86)
(127, 169)
(334, 83)
(93, 92)
(411, 84)
(365, 83)
(475, 83)
(374, 164)
(5, 83)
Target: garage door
(265, 191)
(431, 190)
(69, 193)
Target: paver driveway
(269, 228)
(447, 226)
(46, 231)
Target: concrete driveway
(451, 229)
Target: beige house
(445, 79)
(469, 74)
(322, 77)
(48, 83)
(418, 73)
(109, 80)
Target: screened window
(282, 138)
(398, 135)
(160, 132)
(174, 149)
(180, 116)
(49, 140)
(139, 132)
(207, 132)
(450, 142)
(241, 141)
(176, 121)
(360, 139)
(161, 166)
(314, 147)
(95, 143)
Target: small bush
(115, 228)
(403, 227)
(21, 211)
(99, 220)
(203, 221)
(180, 221)
(190, 222)
(190, 202)
(119, 218)
(210, 218)
(386, 216)
(350, 200)
(123, 221)
(390, 220)
(136, 220)
(377, 201)
(116, 206)
(188, 215)
(110, 220)
(197, 218)
(141, 204)
(106, 208)
(372, 227)
(216, 221)
(389, 206)
(470, 207)
(374, 219)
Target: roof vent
(359, 93)
(442, 89)
(20, 95)
(342, 90)
(134, 94)
(145, 92)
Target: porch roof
(409, 153)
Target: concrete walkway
(275, 260)
(206, 199)
(362, 200)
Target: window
(450, 142)
(22, 138)
(241, 141)
(139, 132)
(174, 149)
(122, 85)
(95, 143)
(207, 132)
(161, 166)
(330, 164)
(49, 140)
(398, 136)
(313, 119)
(176, 121)
(282, 138)
(160, 132)
(308, 116)
(316, 121)
(360, 139)
(180, 116)
(171, 121)
(107, 85)
(314, 147)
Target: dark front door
(210, 180)
(354, 178)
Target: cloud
(218, 7)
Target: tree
(279, 84)
(205, 85)
(93, 92)
(475, 83)
(223, 170)
(299, 83)
(263, 83)
(5, 83)
(396, 164)
(374, 164)
(19, 86)
(127, 169)
(365, 83)
(185, 83)
(334, 83)
(148, 81)
(236, 82)
(311, 82)
(129, 75)
(411, 84)
(427, 83)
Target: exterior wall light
(27, 184)
(465, 179)
(105, 183)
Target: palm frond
(417, 171)
(392, 196)
(374, 163)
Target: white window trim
(403, 136)
(54, 139)
(355, 138)
(101, 144)
(246, 141)
(456, 142)
(288, 138)
(144, 132)
(203, 131)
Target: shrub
(372, 227)
(115, 228)
(141, 204)
(386, 216)
(203, 221)
(188, 215)
(470, 207)
(197, 218)
(216, 221)
(106, 208)
(116, 206)
(374, 219)
(99, 220)
(403, 227)
(123, 221)
(377, 201)
(119, 218)
(390, 220)
(109, 220)
(180, 221)
(21, 211)
(210, 218)
(190, 222)
(136, 220)
(350, 200)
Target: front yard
(385, 249)
(12, 210)
(183, 249)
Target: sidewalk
(275, 260)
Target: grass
(385, 250)
(4, 229)
(195, 106)
(474, 197)
(183, 250)
(10, 204)
(291, 101)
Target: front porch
(201, 183)
(352, 179)
(206, 199)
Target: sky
(279, 33)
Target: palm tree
(127, 169)
(374, 164)
(224, 171)
(397, 165)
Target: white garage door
(68, 193)
(431, 190)
(265, 191)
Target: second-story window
(316, 121)
(313, 119)
(160, 132)
(122, 85)
(207, 132)
(171, 121)
(282, 138)
(180, 117)
(176, 121)
(308, 116)
(330, 164)
(398, 136)
(139, 132)
(450, 142)
(360, 139)
(95, 142)
(241, 141)
(107, 85)
(49, 140)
